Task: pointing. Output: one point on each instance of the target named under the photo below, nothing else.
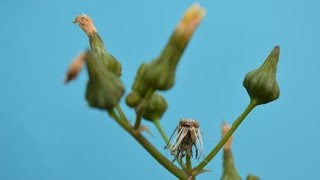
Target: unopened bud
(112, 64)
(161, 71)
(155, 108)
(75, 67)
(104, 88)
(133, 99)
(140, 86)
(261, 84)
(97, 46)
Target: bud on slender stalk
(75, 67)
(160, 74)
(97, 46)
(104, 88)
(229, 169)
(155, 108)
(261, 84)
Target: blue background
(48, 132)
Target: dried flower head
(188, 136)
(86, 24)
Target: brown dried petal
(75, 67)
(86, 24)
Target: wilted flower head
(188, 135)
(86, 24)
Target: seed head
(188, 136)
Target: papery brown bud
(75, 67)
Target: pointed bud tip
(276, 50)
(261, 84)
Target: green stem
(121, 114)
(138, 118)
(149, 147)
(217, 148)
(141, 108)
(161, 131)
(189, 165)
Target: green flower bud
(155, 108)
(112, 64)
(139, 84)
(133, 99)
(252, 177)
(159, 74)
(97, 46)
(104, 88)
(261, 84)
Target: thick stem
(217, 148)
(149, 147)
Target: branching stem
(217, 148)
(148, 146)
(141, 108)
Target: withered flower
(188, 136)
(75, 67)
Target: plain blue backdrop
(47, 131)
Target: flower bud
(155, 108)
(261, 84)
(97, 46)
(133, 99)
(104, 88)
(140, 86)
(161, 71)
(229, 169)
